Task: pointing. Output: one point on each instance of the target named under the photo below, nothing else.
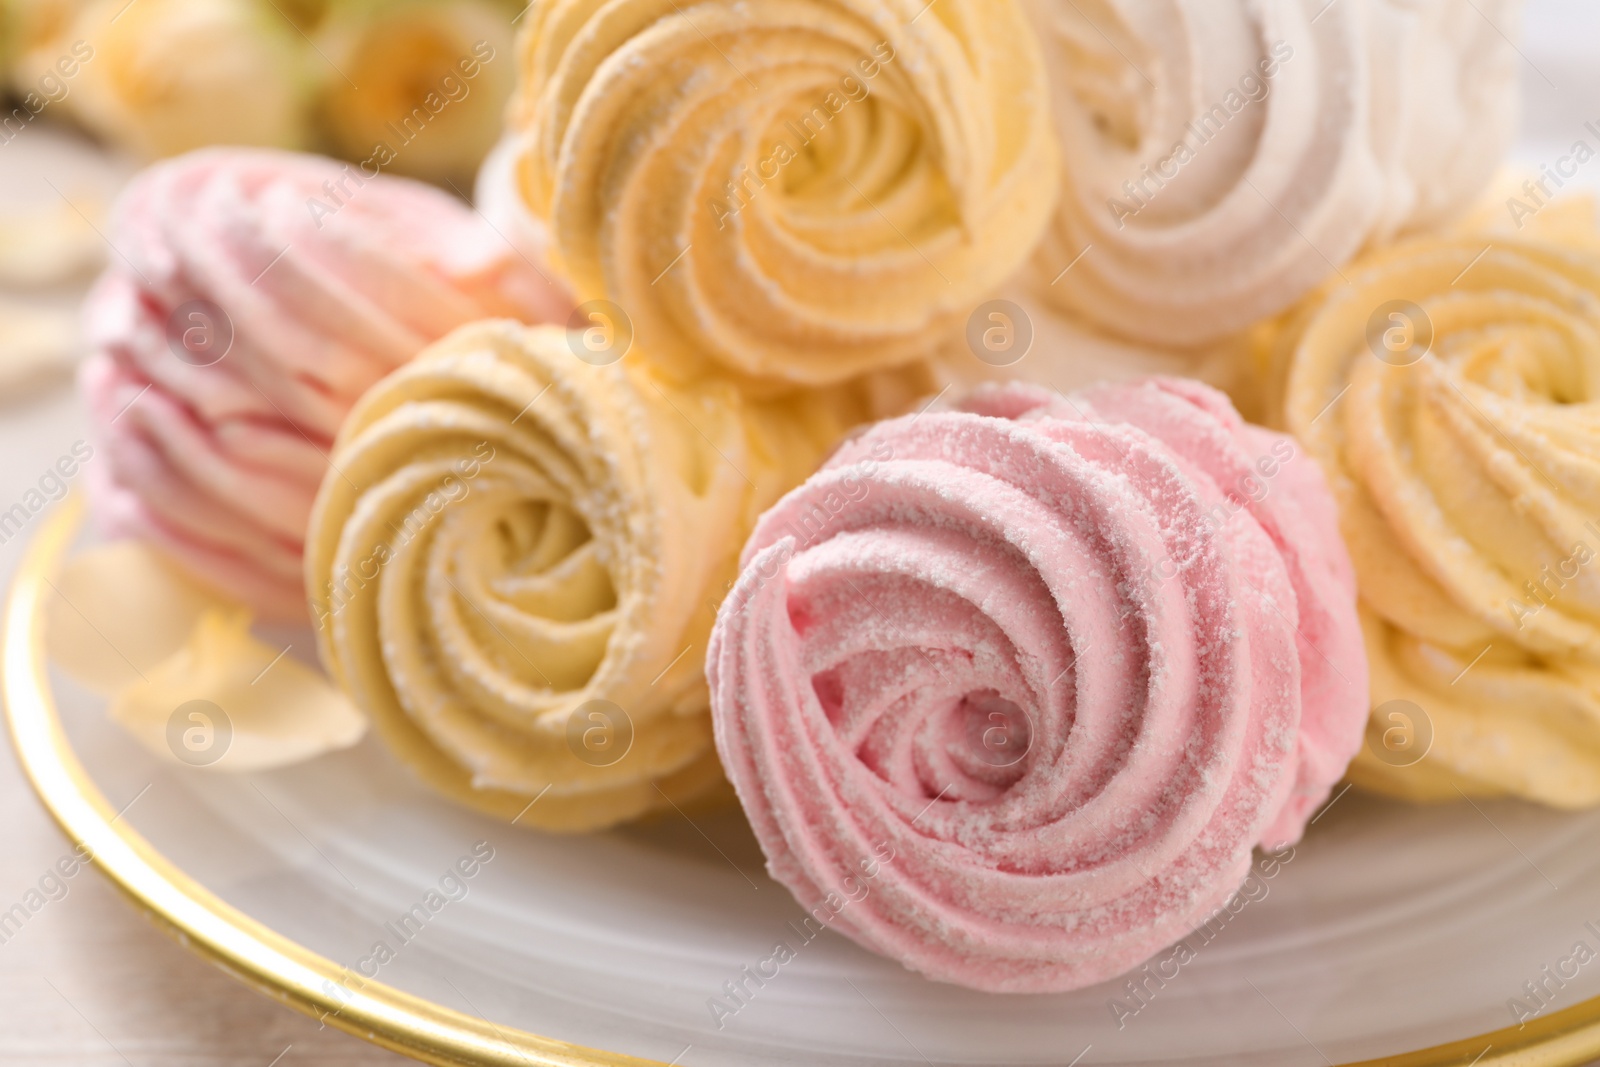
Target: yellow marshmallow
(795, 190)
(1460, 431)
(515, 559)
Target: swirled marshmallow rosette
(1064, 661)
(1223, 157)
(254, 296)
(1450, 393)
(793, 190)
(514, 564)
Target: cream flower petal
(228, 701)
(119, 610)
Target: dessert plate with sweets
(884, 538)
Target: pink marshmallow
(330, 279)
(1012, 692)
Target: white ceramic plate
(1388, 929)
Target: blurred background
(155, 78)
(93, 89)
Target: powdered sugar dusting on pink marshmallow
(1042, 653)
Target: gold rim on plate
(382, 1014)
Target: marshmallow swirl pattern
(1460, 431)
(1044, 655)
(256, 294)
(795, 190)
(520, 592)
(1222, 157)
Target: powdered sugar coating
(1055, 569)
